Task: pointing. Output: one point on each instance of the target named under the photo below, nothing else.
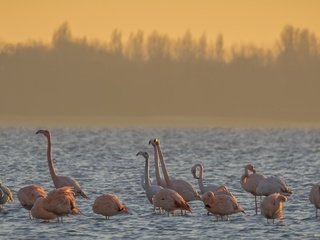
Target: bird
(5, 195)
(58, 203)
(184, 188)
(150, 189)
(272, 206)
(60, 181)
(170, 201)
(272, 185)
(108, 205)
(221, 204)
(314, 196)
(203, 188)
(250, 180)
(29, 194)
(159, 180)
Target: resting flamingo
(314, 197)
(150, 189)
(221, 204)
(57, 203)
(272, 206)
(60, 181)
(250, 180)
(272, 185)
(184, 188)
(108, 205)
(5, 195)
(169, 200)
(29, 194)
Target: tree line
(157, 75)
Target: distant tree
(135, 46)
(115, 44)
(62, 35)
(185, 47)
(158, 47)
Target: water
(103, 160)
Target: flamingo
(29, 194)
(184, 188)
(203, 188)
(170, 200)
(314, 197)
(272, 205)
(57, 203)
(108, 205)
(159, 180)
(213, 188)
(250, 180)
(60, 181)
(150, 189)
(221, 204)
(272, 185)
(5, 195)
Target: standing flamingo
(203, 188)
(159, 180)
(272, 185)
(250, 180)
(60, 181)
(57, 203)
(221, 204)
(314, 197)
(108, 205)
(169, 200)
(29, 194)
(184, 188)
(150, 189)
(272, 206)
(5, 195)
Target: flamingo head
(251, 168)
(44, 132)
(144, 154)
(282, 198)
(207, 196)
(154, 142)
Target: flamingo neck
(200, 183)
(201, 171)
(157, 170)
(146, 174)
(243, 179)
(50, 162)
(164, 168)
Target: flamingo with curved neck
(203, 188)
(184, 188)
(151, 190)
(59, 181)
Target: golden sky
(240, 21)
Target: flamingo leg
(256, 205)
(316, 212)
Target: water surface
(104, 160)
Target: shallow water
(104, 160)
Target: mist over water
(104, 160)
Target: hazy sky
(240, 21)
